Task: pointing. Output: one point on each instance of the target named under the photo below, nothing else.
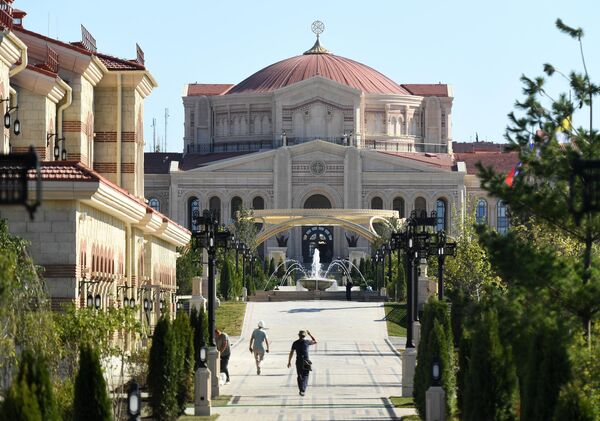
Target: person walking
(224, 349)
(349, 286)
(258, 338)
(300, 346)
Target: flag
(562, 132)
(510, 177)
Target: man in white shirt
(257, 341)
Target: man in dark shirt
(301, 347)
(222, 340)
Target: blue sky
(480, 47)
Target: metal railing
(6, 19)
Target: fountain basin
(313, 284)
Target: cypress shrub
(185, 359)
(162, 373)
(464, 355)
(271, 267)
(199, 324)
(547, 369)
(31, 393)
(91, 402)
(20, 404)
(435, 342)
(490, 383)
(226, 286)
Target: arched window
(214, 204)
(258, 203)
(481, 214)
(193, 208)
(420, 204)
(377, 203)
(154, 203)
(398, 205)
(236, 205)
(441, 207)
(317, 201)
(502, 218)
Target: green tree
(543, 188)
(436, 342)
(162, 373)
(188, 266)
(226, 282)
(271, 267)
(91, 400)
(490, 383)
(184, 359)
(33, 383)
(199, 323)
(20, 403)
(25, 314)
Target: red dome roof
(339, 69)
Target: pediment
(251, 163)
(317, 149)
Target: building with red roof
(319, 130)
(82, 112)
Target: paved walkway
(355, 367)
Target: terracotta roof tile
(425, 89)
(208, 89)
(76, 171)
(502, 162)
(459, 147)
(115, 63)
(441, 160)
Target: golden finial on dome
(318, 28)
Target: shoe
(227, 382)
(258, 371)
(301, 393)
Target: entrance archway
(317, 236)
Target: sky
(481, 48)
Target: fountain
(315, 281)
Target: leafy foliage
(25, 316)
(227, 284)
(188, 266)
(91, 397)
(199, 323)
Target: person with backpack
(303, 363)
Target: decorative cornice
(95, 71)
(10, 48)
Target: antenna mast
(154, 135)
(166, 118)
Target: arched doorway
(320, 237)
(317, 237)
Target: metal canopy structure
(358, 221)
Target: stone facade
(94, 233)
(287, 139)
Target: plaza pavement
(355, 370)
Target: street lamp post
(443, 248)
(210, 236)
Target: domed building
(312, 132)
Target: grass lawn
(395, 318)
(220, 401)
(230, 317)
(401, 402)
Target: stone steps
(262, 296)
